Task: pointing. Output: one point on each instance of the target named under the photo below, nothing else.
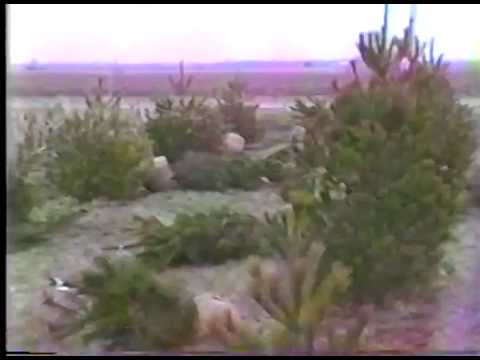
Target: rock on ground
(233, 143)
(160, 177)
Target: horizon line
(339, 60)
(36, 62)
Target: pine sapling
(183, 83)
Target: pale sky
(130, 33)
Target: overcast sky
(212, 33)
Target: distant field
(148, 84)
(144, 84)
(267, 104)
(273, 110)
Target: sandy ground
(459, 305)
(458, 313)
(73, 250)
(453, 323)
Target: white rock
(160, 161)
(298, 134)
(161, 166)
(214, 310)
(297, 137)
(265, 180)
(160, 177)
(233, 142)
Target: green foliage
(45, 215)
(24, 236)
(376, 51)
(181, 125)
(401, 148)
(202, 171)
(182, 84)
(312, 190)
(52, 211)
(202, 238)
(240, 116)
(131, 310)
(298, 292)
(246, 174)
(22, 197)
(319, 126)
(34, 205)
(99, 153)
(289, 233)
(25, 191)
(170, 132)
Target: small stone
(213, 310)
(265, 180)
(233, 143)
(160, 162)
(298, 134)
(160, 178)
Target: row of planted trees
(375, 192)
(106, 152)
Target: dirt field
(38, 83)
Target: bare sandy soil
(451, 323)
(73, 249)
